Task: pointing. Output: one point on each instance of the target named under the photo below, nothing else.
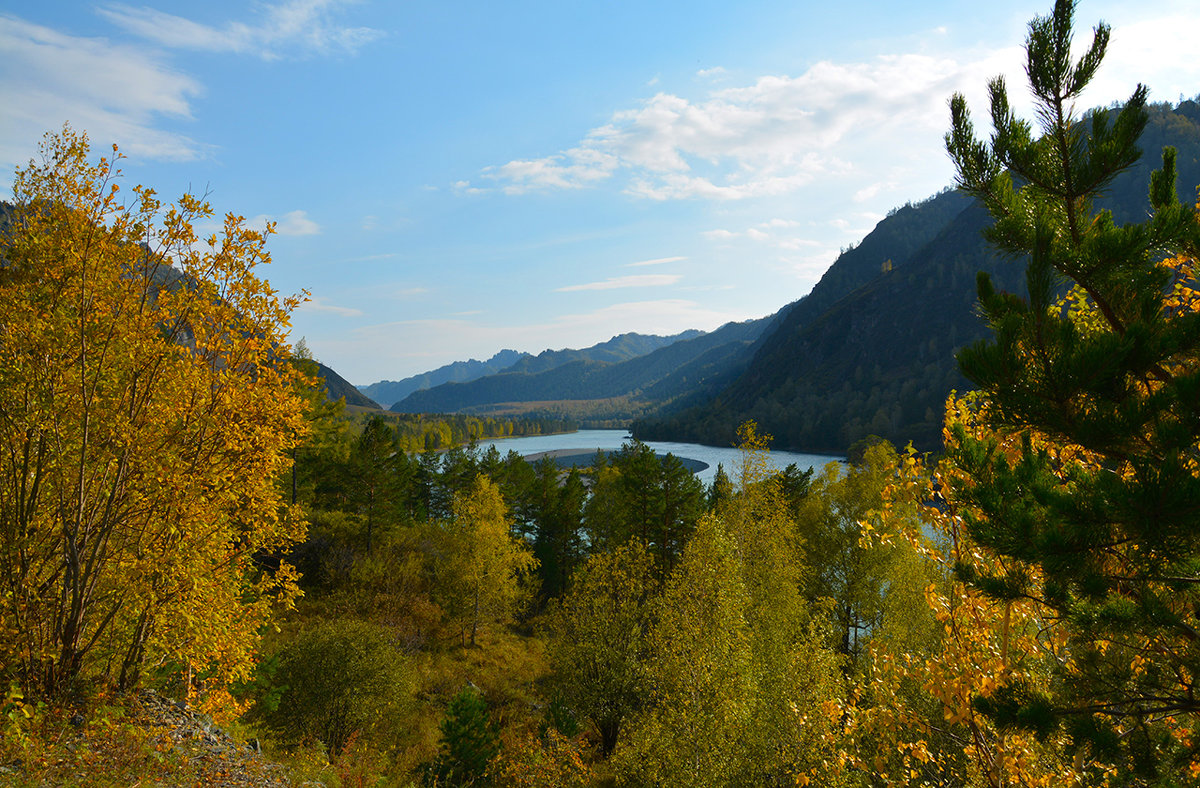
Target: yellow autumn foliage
(146, 411)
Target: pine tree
(1095, 506)
(372, 468)
(470, 740)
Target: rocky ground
(210, 753)
(146, 740)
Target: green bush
(340, 678)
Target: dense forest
(184, 510)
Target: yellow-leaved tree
(147, 410)
(486, 568)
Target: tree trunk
(131, 665)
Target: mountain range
(869, 351)
(679, 366)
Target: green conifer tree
(470, 740)
(1097, 509)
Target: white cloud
(793, 244)
(873, 190)
(656, 261)
(122, 93)
(715, 71)
(366, 258)
(1158, 52)
(289, 27)
(116, 93)
(636, 280)
(465, 187)
(314, 304)
(575, 168)
(291, 223)
(664, 316)
(863, 129)
(767, 138)
(719, 235)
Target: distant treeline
(426, 431)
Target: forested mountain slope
(881, 359)
(337, 387)
(696, 362)
(456, 372)
(620, 348)
(692, 370)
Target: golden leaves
(145, 413)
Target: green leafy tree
(721, 488)
(339, 679)
(792, 670)
(844, 568)
(597, 639)
(1094, 508)
(693, 732)
(682, 497)
(637, 495)
(558, 538)
(323, 452)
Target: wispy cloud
(291, 223)
(465, 187)
(292, 27)
(657, 261)
(370, 257)
(785, 234)
(123, 93)
(314, 304)
(117, 93)
(572, 169)
(715, 71)
(616, 282)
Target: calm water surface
(610, 440)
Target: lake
(587, 441)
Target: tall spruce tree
(1088, 484)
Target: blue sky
(450, 179)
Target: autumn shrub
(546, 759)
(341, 678)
